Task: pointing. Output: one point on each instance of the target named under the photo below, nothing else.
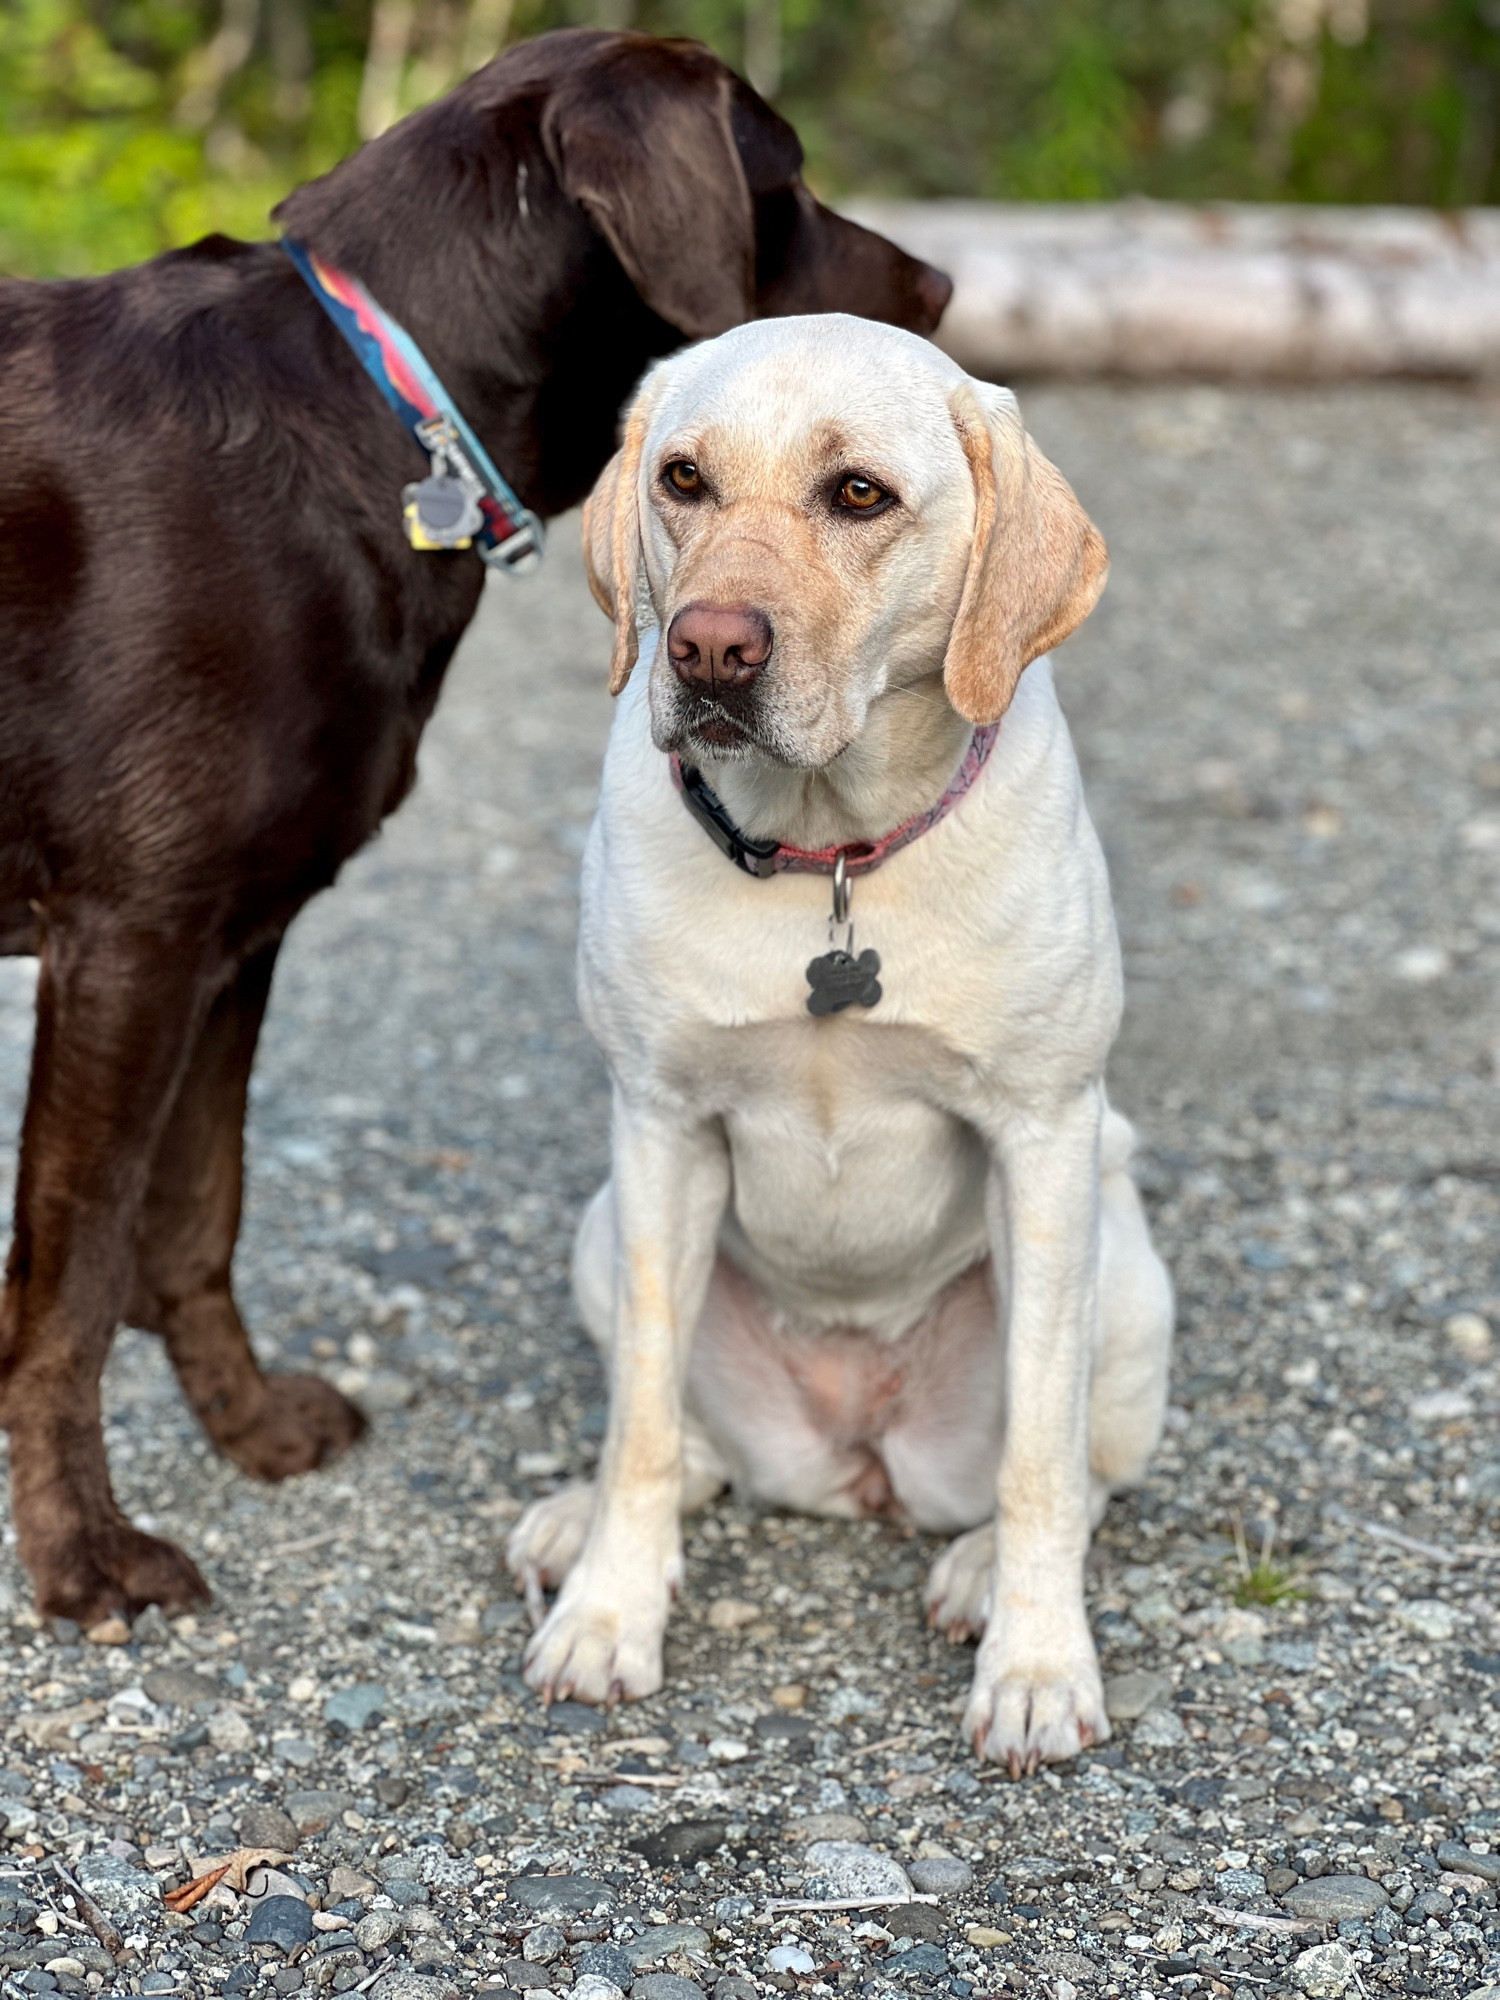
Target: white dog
(870, 1243)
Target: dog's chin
(707, 731)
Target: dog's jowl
(225, 617)
(873, 1251)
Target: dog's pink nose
(714, 646)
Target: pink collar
(772, 857)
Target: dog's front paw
(108, 1570)
(300, 1423)
(548, 1539)
(958, 1585)
(597, 1645)
(1027, 1708)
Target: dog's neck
(902, 762)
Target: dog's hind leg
(118, 1005)
(269, 1426)
(545, 1542)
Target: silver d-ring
(840, 890)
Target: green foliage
(1264, 1582)
(130, 125)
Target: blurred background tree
(130, 125)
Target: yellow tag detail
(419, 540)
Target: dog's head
(816, 512)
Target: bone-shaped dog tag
(838, 979)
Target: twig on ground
(883, 1743)
(1460, 1552)
(1253, 1920)
(776, 1904)
(91, 1913)
(646, 1778)
(306, 1542)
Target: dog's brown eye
(860, 495)
(684, 477)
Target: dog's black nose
(718, 646)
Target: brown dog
(217, 653)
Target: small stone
(1241, 1637)
(1469, 1334)
(74, 1967)
(406, 1893)
(392, 1791)
(268, 1826)
(685, 1841)
(1127, 1697)
(825, 1826)
(734, 1986)
(302, 1687)
(727, 1750)
(347, 1885)
(918, 1921)
(264, 1882)
(666, 1986)
(117, 1887)
(543, 1944)
(662, 1940)
(851, 1869)
(1429, 1618)
(1323, 1971)
(1036, 1871)
(228, 1730)
(626, 1799)
(356, 1708)
(160, 1982)
(1464, 1861)
(315, 1811)
(1240, 1885)
(1160, 1729)
(176, 1687)
(790, 1695)
(109, 1632)
(296, 1751)
(734, 1909)
(1336, 1899)
(790, 1958)
(981, 1936)
(609, 1963)
(558, 1895)
(575, 1718)
(731, 1614)
(376, 1929)
(922, 1961)
(399, 1984)
(284, 1921)
(940, 1875)
(594, 1986)
(524, 1978)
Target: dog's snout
(718, 646)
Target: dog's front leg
(602, 1641)
(1037, 1694)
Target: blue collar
(465, 502)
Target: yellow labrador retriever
(870, 1243)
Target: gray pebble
(607, 1961)
(405, 1893)
(543, 1944)
(940, 1875)
(1464, 1861)
(627, 1799)
(594, 1986)
(399, 1984)
(116, 1886)
(923, 1961)
(284, 1921)
(376, 1929)
(666, 1986)
(315, 1811)
(1239, 1885)
(296, 1750)
(1035, 1871)
(734, 1986)
(178, 1687)
(558, 1895)
(1336, 1899)
(851, 1869)
(734, 1909)
(356, 1708)
(1323, 1972)
(663, 1939)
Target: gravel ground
(1287, 712)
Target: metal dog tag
(838, 979)
(440, 513)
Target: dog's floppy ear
(1036, 567)
(612, 543)
(642, 141)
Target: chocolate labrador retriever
(218, 650)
